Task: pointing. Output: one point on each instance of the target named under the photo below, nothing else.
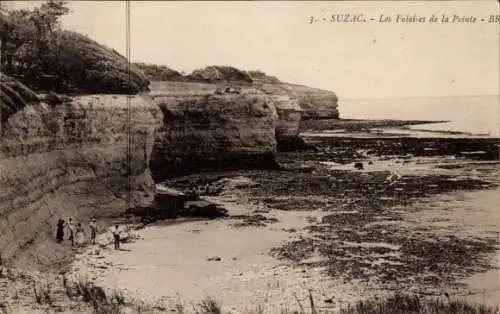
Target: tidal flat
(350, 221)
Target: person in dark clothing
(60, 231)
(116, 236)
(93, 231)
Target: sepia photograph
(250, 157)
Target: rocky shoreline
(322, 224)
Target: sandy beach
(190, 261)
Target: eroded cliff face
(208, 132)
(314, 103)
(294, 104)
(97, 155)
(287, 127)
(88, 157)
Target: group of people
(76, 234)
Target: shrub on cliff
(159, 72)
(27, 37)
(13, 96)
(216, 74)
(260, 76)
(36, 51)
(83, 65)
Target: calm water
(476, 115)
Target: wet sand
(179, 263)
(466, 215)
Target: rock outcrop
(293, 103)
(87, 157)
(287, 127)
(207, 132)
(170, 203)
(218, 74)
(314, 103)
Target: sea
(476, 115)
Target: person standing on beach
(116, 236)
(79, 235)
(93, 231)
(60, 231)
(71, 231)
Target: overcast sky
(356, 60)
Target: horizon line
(422, 97)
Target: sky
(356, 60)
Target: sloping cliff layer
(14, 96)
(208, 132)
(79, 159)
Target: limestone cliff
(203, 131)
(86, 157)
(91, 155)
(287, 127)
(294, 103)
(314, 103)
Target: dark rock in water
(169, 204)
(205, 209)
(484, 148)
(55, 99)
(215, 258)
(358, 165)
(293, 143)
